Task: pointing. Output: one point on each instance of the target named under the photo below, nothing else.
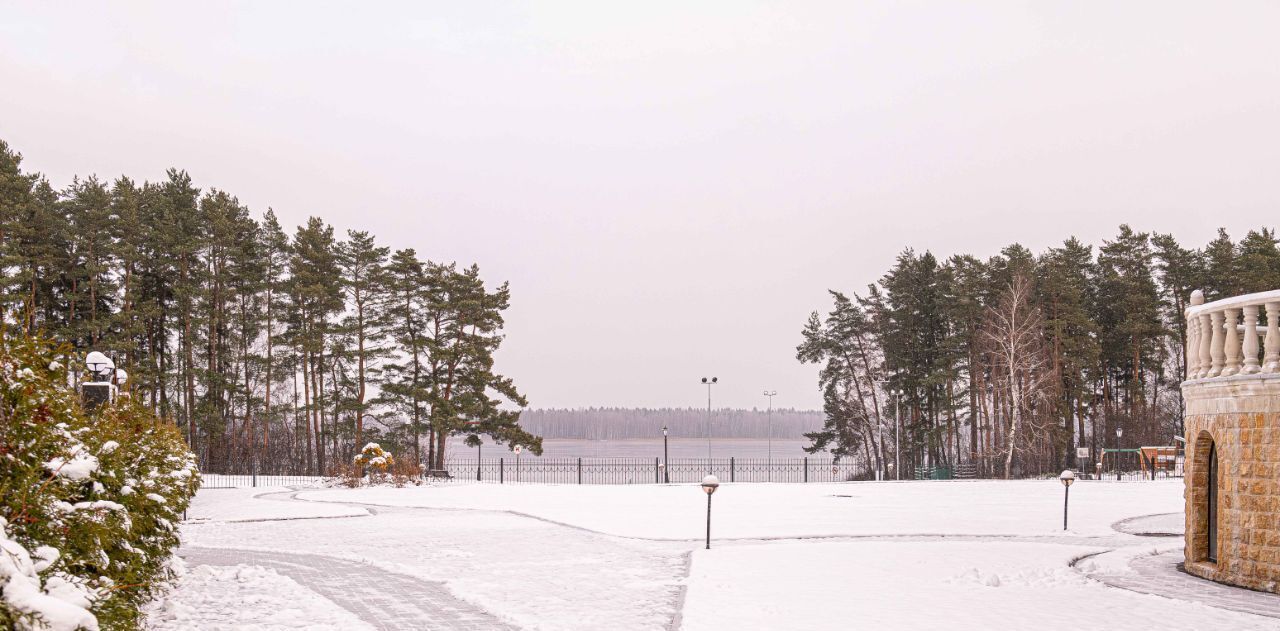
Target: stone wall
(1241, 416)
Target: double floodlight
(711, 380)
(100, 366)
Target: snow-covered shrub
(89, 504)
(374, 457)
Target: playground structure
(1151, 462)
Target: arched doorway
(1211, 510)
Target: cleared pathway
(384, 600)
(1162, 575)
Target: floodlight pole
(710, 382)
(769, 433)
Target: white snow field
(917, 555)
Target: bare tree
(1014, 333)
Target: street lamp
(1067, 477)
(1119, 433)
(666, 471)
(710, 382)
(769, 431)
(709, 485)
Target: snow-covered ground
(985, 507)
(955, 555)
(270, 503)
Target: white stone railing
(1225, 340)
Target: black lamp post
(666, 470)
(709, 485)
(1066, 478)
(1119, 433)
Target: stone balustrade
(1225, 339)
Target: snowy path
(384, 600)
(1160, 575)
(526, 573)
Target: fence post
(657, 472)
(806, 468)
(501, 471)
(253, 469)
(731, 468)
(579, 470)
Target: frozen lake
(652, 448)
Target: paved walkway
(1159, 525)
(385, 600)
(1162, 575)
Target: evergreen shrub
(89, 503)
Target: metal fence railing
(652, 470)
(515, 470)
(249, 480)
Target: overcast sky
(670, 188)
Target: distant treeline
(630, 423)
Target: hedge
(89, 504)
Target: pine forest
(269, 348)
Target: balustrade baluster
(1193, 338)
(1206, 345)
(1251, 365)
(1216, 344)
(1231, 344)
(1271, 359)
(1193, 347)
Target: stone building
(1232, 467)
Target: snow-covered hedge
(89, 505)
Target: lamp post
(666, 471)
(897, 433)
(1067, 477)
(769, 432)
(709, 485)
(710, 382)
(1119, 433)
(884, 466)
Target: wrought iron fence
(516, 470)
(249, 480)
(509, 470)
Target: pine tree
(317, 296)
(464, 332)
(1064, 276)
(405, 378)
(1258, 263)
(365, 282)
(847, 347)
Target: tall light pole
(770, 394)
(710, 382)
